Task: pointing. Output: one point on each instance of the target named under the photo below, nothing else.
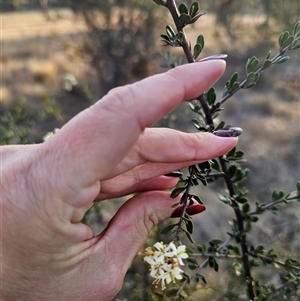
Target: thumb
(129, 228)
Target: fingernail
(232, 132)
(214, 57)
(174, 174)
(191, 210)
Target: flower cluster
(164, 261)
(50, 134)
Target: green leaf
(204, 166)
(216, 266)
(170, 32)
(200, 41)
(213, 263)
(183, 9)
(255, 263)
(202, 180)
(216, 107)
(282, 38)
(225, 91)
(197, 50)
(198, 199)
(220, 125)
(259, 249)
(224, 199)
(246, 208)
(295, 45)
(251, 65)
(252, 79)
(296, 30)
(288, 41)
(211, 96)
(241, 174)
(196, 123)
(168, 228)
(196, 17)
(252, 85)
(231, 153)
(236, 250)
(185, 19)
(235, 86)
(194, 9)
(239, 154)
(164, 37)
(248, 226)
(177, 191)
(233, 79)
(277, 195)
(215, 165)
(267, 64)
(201, 248)
(192, 260)
(193, 107)
(232, 170)
(159, 2)
(189, 236)
(190, 226)
(242, 200)
(179, 36)
(192, 266)
(201, 277)
(215, 242)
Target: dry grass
(38, 50)
(42, 72)
(22, 25)
(36, 53)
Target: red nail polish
(191, 210)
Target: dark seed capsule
(232, 132)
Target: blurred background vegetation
(59, 57)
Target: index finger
(100, 137)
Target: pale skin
(106, 151)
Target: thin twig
(241, 235)
(260, 70)
(255, 255)
(171, 5)
(185, 204)
(267, 206)
(279, 262)
(290, 283)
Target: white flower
(50, 134)
(164, 262)
(179, 252)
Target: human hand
(106, 151)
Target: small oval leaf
(194, 9)
(281, 60)
(183, 9)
